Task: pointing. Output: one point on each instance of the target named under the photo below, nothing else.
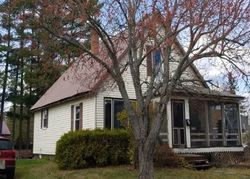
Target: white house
(84, 97)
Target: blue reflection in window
(157, 58)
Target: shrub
(246, 138)
(132, 151)
(165, 157)
(83, 149)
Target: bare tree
(133, 29)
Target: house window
(154, 62)
(108, 112)
(77, 118)
(112, 107)
(157, 59)
(44, 118)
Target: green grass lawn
(36, 169)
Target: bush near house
(87, 148)
(164, 156)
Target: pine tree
(5, 48)
(39, 60)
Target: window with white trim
(44, 118)
(156, 59)
(112, 107)
(154, 63)
(77, 118)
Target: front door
(178, 121)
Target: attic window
(153, 61)
(44, 118)
(157, 58)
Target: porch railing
(198, 140)
(214, 140)
(232, 139)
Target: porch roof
(208, 93)
(208, 150)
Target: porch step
(202, 167)
(199, 162)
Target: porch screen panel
(215, 125)
(197, 123)
(232, 125)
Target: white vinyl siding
(45, 140)
(59, 124)
(88, 117)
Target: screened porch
(214, 124)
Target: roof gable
(192, 66)
(80, 78)
(86, 76)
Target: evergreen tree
(38, 59)
(5, 48)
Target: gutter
(71, 98)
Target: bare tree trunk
(146, 167)
(146, 146)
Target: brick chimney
(94, 40)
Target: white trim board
(209, 150)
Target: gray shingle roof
(82, 77)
